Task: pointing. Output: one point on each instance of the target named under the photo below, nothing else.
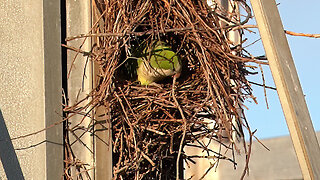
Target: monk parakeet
(156, 63)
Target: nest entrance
(151, 125)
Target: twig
(39, 131)
(85, 53)
(268, 87)
(155, 131)
(264, 86)
(147, 158)
(128, 33)
(184, 125)
(286, 31)
(302, 34)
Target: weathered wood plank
(288, 86)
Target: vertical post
(103, 135)
(103, 146)
(79, 85)
(98, 148)
(52, 88)
(30, 91)
(288, 87)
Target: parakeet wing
(163, 57)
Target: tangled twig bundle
(152, 125)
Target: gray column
(30, 88)
(79, 86)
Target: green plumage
(156, 63)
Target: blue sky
(297, 16)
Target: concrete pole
(30, 91)
(79, 19)
(95, 150)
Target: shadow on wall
(8, 155)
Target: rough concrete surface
(29, 62)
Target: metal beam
(288, 87)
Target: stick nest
(151, 126)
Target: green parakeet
(157, 63)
